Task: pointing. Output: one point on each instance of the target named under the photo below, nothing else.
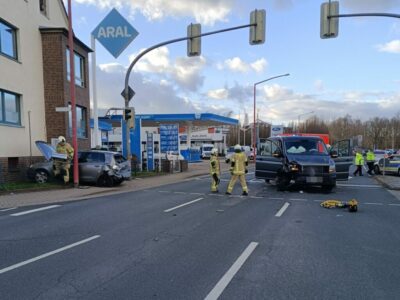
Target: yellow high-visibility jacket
(359, 159)
(239, 162)
(65, 149)
(370, 156)
(214, 165)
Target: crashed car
(104, 168)
(302, 161)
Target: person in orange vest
(214, 170)
(238, 170)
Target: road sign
(63, 109)
(115, 33)
(131, 93)
(150, 152)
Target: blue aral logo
(115, 33)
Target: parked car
(389, 165)
(302, 161)
(104, 168)
(205, 150)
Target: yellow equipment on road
(352, 205)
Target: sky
(357, 73)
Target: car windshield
(305, 147)
(207, 148)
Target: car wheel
(377, 170)
(105, 180)
(266, 180)
(41, 176)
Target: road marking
(275, 198)
(297, 199)
(373, 203)
(217, 195)
(394, 204)
(184, 204)
(179, 192)
(359, 185)
(7, 209)
(282, 210)
(319, 200)
(256, 197)
(196, 193)
(34, 210)
(18, 265)
(164, 191)
(228, 276)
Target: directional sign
(131, 93)
(115, 33)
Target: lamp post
(254, 113)
(298, 122)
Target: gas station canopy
(206, 119)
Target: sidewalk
(87, 192)
(390, 182)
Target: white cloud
(206, 12)
(391, 47)
(237, 65)
(218, 94)
(156, 61)
(360, 6)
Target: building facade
(35, 79)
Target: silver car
(104, 168)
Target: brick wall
(57, 86)
(16, 171)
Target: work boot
(245, 194)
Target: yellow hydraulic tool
(352, 205)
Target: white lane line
(282, 210)
(275, 198)
(372, 203)
(23, 263)
(215, 195)
(319, 200)
(196, 193)
(7, 209)
(359, 185)
(179, 192)
(394, 204)
(256, 197)
(34, 210)
(228, 276)
(184, 204)
(297, 199)
(163, 191)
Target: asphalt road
(182, 242)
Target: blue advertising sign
(150, 152)
(115, 33)
(169, 137)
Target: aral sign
(115, 33)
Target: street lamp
(298, 122)
(254, 114)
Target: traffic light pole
(137, 58)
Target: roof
(65, 32)
(205, 119)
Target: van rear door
(267, 165)
(344, 159)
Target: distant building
(34, 80)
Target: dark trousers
(370, 167)
(358, 170)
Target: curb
(386, 185)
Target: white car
(246, 149)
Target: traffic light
(257, 31)
(129, 117)
(193, 44)
(329, 26)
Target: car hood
(48, 151)
(309, 159)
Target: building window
(79, 64)
(81, 121)
(8, 41)
(10, 112)
(43, 6)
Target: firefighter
(238, 170)
(359, 162)
(61, 166)
(214, 170)
(370, 161)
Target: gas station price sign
(169, 137)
